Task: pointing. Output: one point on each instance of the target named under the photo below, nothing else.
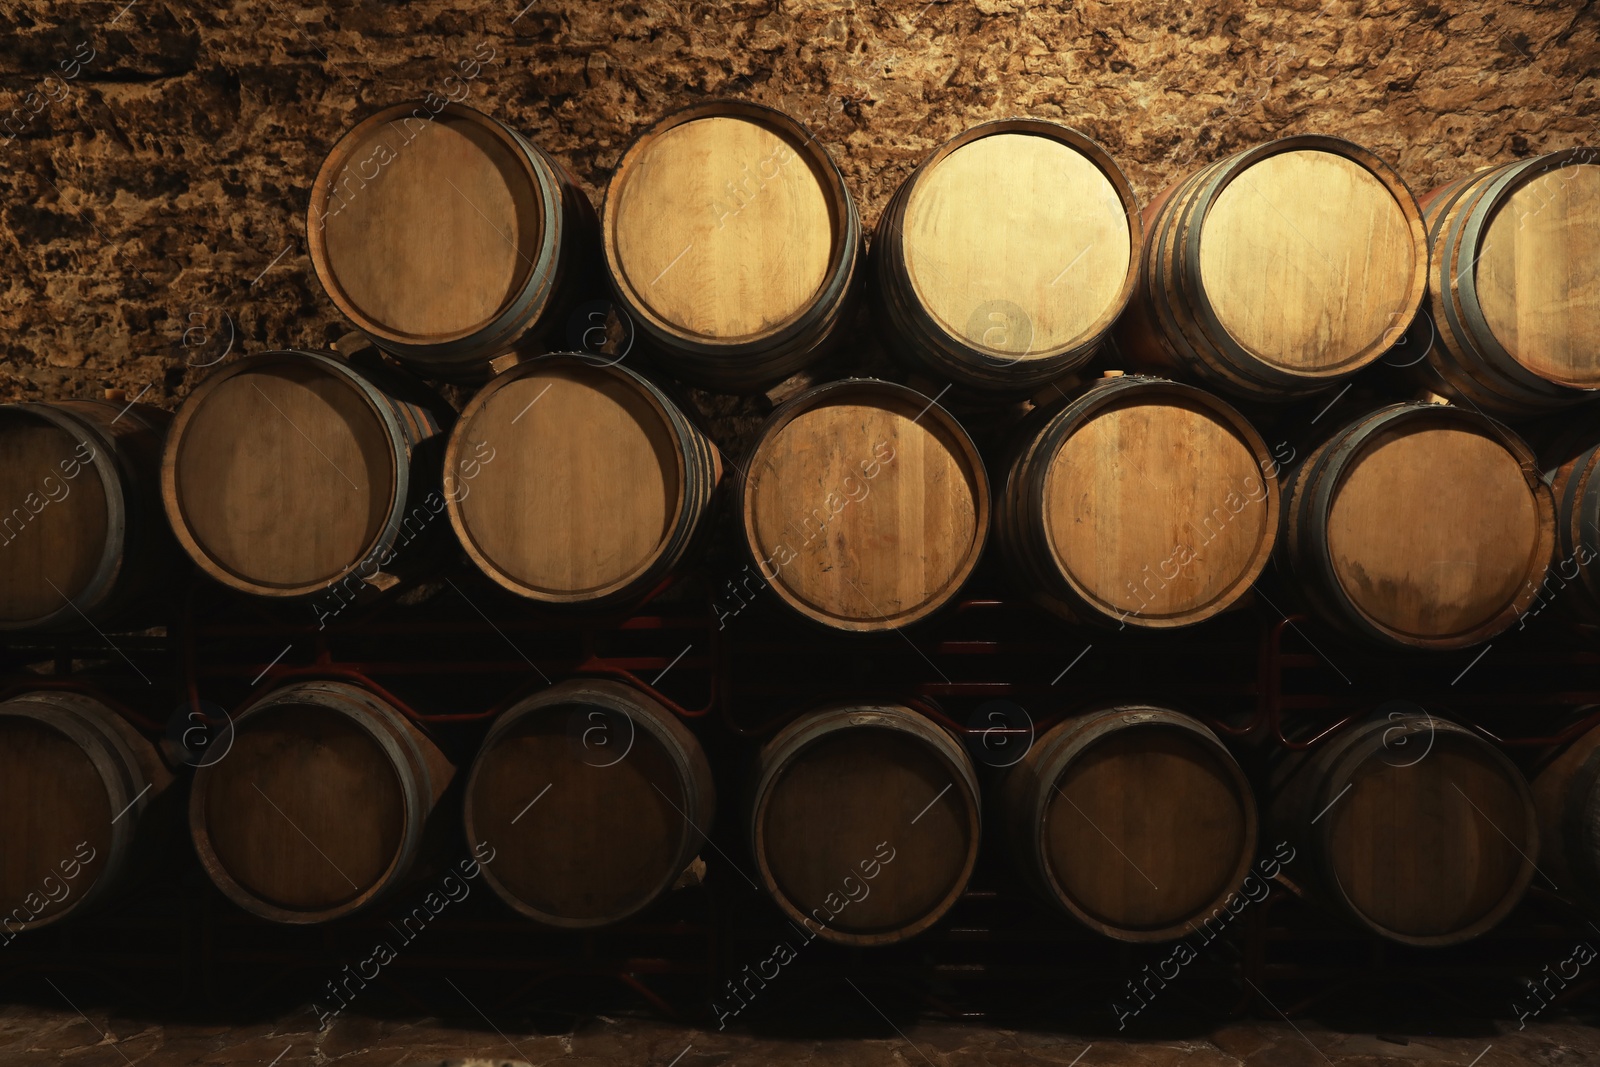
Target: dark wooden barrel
(1278, 271)
(320, 805)
(82, 542)
(1003, 260)
(574, 481)
(865, 823)
(595, 798)
(733, 244)
(1420, 526)
(864, 504)
(1141, 502)
(289, 474)
(446, 237)
(1135, 820)
(1515, 255)
(1410, 826)
(1574, 576)
(77, 783)
(1566, 794)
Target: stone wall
(156, 158)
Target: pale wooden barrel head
(1432, 529)
(871, 505)
(1538, 271)
(53, 555)
(432, 227)
(54, 801)
(1145, 829)
(603, 838)
(1017, 221)
(1307, 260)
(306, 812)
(722, 228)
(1139, 481)
(842, 805)
(284, 475)
(585, 484)
(1426, 847)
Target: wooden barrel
(1419, 525)
(595, 798)
(590, 483)
(733, 243)
(1133, 819)
(864, 504)
(1515, 260)
(1278, 271)
(82, 540)
(78, 784)
(1141, 502)
(1576, 489)
(865, 823)
(320, 805)
(1411, 826)
(1003, 260)
(446, 237)
(1566, 794)
(288, 473)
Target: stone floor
(35, 1036)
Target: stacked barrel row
(589, 800)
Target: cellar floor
(32, 1035)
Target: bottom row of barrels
(589, 800)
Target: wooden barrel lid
(870, 502)
(1147, 828)
(284, 473)
(866, 797)
(1432, 846)
(723, 227)
(1538, 263)
(307, 812)
(1434, 530)
(56, 801)
(1308, 261)
(606, 833)
(54, 553)
(1019, 225)
(425, 229)
(585, 484)
(1142, 480)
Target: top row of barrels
(1006, 260)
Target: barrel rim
(536, 287)
(1317, 494)
(1474, 227)
(399, 482)
(112, 481)
(1061, 133)
(663, 726)
(1354, 751)
(815, 726)
(373, 717)
(1200, 206)
(453, 449)
(842, 261)
(967, 452)
(1126, 391)
(1073, 738)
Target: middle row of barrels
(589, 800)
(863, 504)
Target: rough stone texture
(32, 1036)
(154, 203)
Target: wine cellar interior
(952, 533)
